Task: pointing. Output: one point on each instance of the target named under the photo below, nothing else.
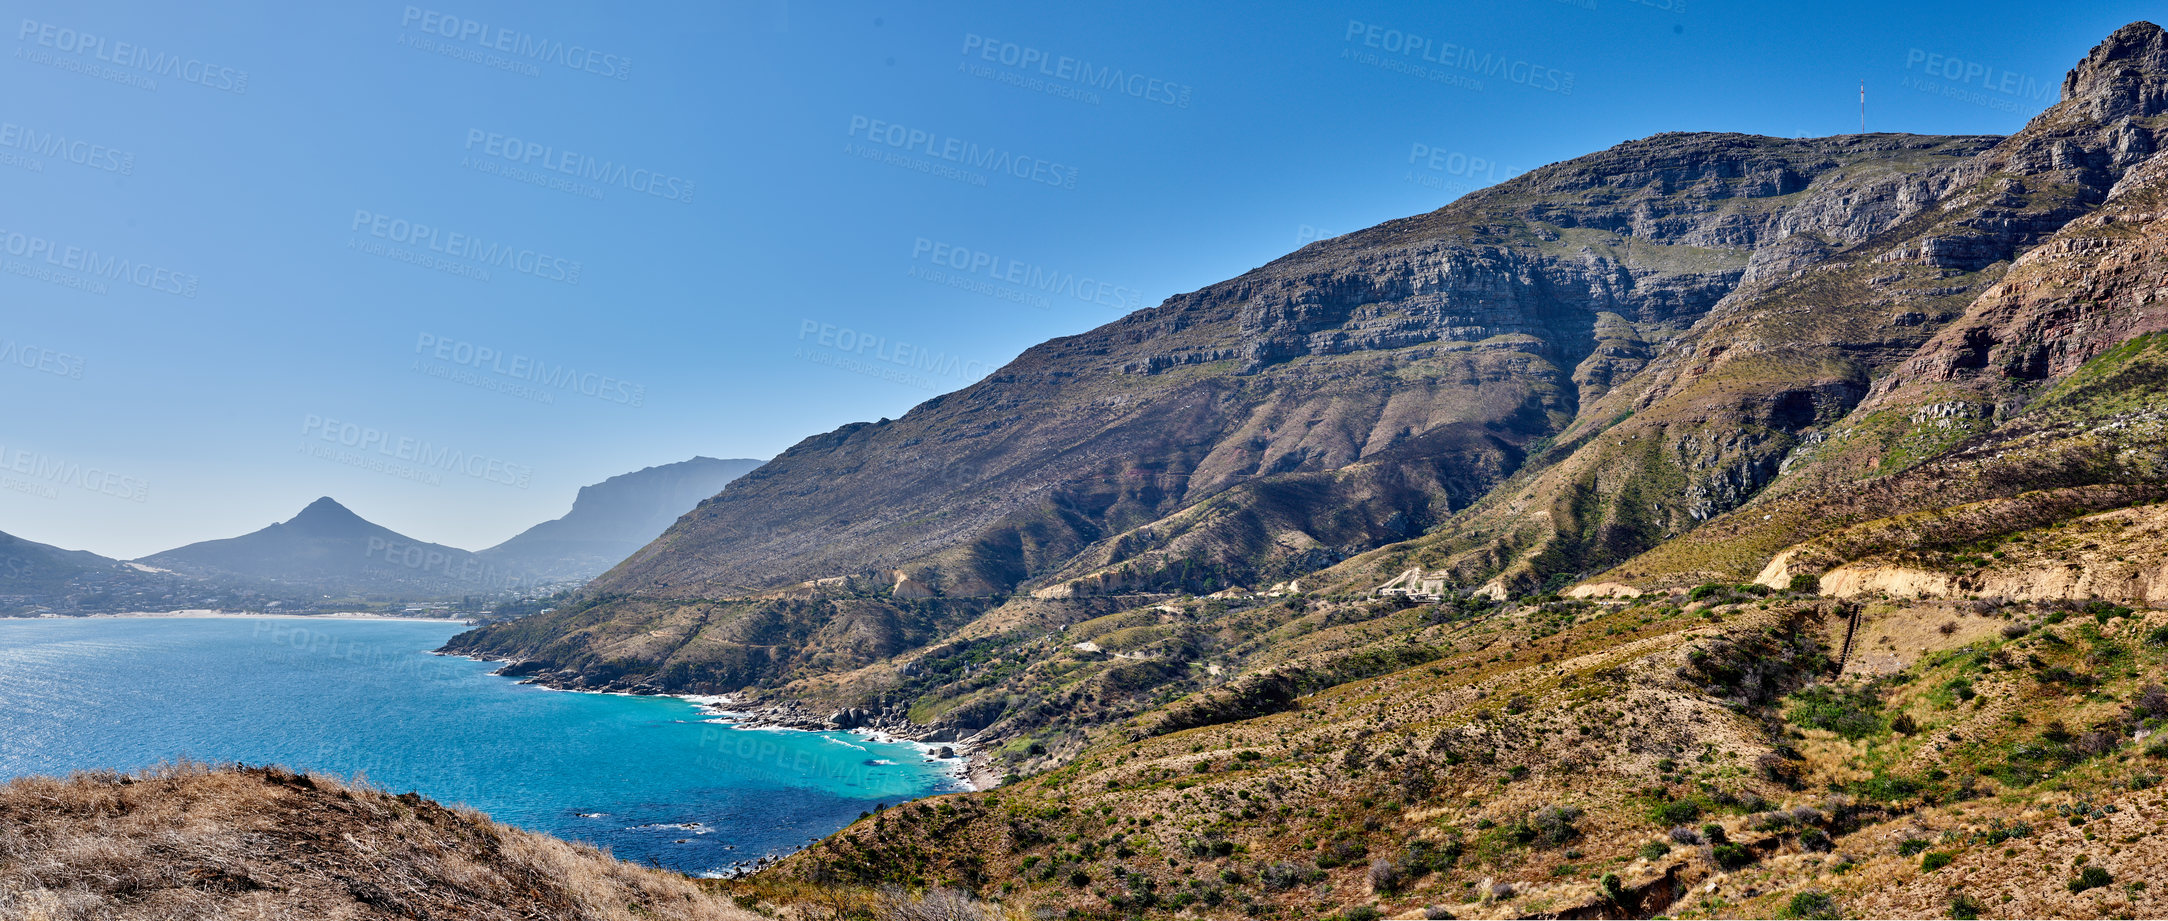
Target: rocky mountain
(612, 519)
(1356, 393)
(328, 549)
(1861, 372)
(1779, 509)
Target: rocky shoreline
(888, 724)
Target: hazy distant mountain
(334, 551)
(29, 567)
(613, 518)
(328, 550)
(39, 578)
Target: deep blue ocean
(652, 779)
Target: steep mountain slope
(1477, 320)
(612, 519)
(329, 549)
(1355, 393)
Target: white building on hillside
(1418, 584)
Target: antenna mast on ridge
(1863, 107)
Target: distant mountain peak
(2126, 75)
(326, 514)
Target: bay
(656, 780)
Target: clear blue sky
(737, 214)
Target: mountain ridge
(326, 554)
(612, 519)
(1637, 367)
(327, 547)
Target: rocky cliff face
(1765, 394)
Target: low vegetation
(200, 843)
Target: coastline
(210, 614)
(969, 767)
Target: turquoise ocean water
(653, 779)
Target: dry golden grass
(194, 842)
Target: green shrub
(2102, 611)
(1554, 824)
(1732, 856)
(1853, 714)
(2091, 878)
(1421, 856)
(1935, 860)
(1341, 853)
(1812, 904)
(1964, 907)
(1679, 812)
(1287, 875)
(1654, 850)
(1911, 846)
(1885, 788)
(1805, 584)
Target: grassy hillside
(1684, 756)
